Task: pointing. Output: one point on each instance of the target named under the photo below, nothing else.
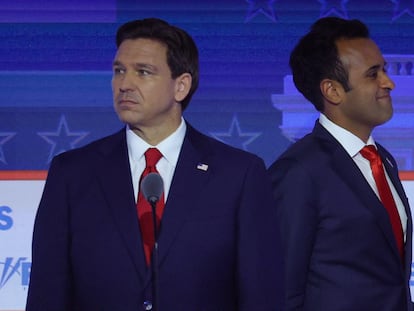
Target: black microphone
(152, 188)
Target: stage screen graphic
(55, 88)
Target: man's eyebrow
(374, 68)
(145, 66)
(116, 63)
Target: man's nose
(387, 82)
(126, 83)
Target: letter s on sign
(6, 222)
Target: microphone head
(152, 187)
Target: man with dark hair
(215, 236)
(344, 217)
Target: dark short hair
(182, 52)
(315, 57)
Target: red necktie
(152, 156)
(371, 154)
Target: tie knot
(370, 153)
(152, 156)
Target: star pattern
(334, 7)
(4, 137)
(62, 139)
(235, 137)
(402, 7)
(264, 7)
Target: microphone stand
(154, 259)
(152, 188)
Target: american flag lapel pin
(202, 167)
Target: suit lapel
(115, 178)
(185, 188)
(392, 171)
(349, 172)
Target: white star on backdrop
(6, 137)
(62, 139)
(235, 137)
(333, 7)
(402, 7)
(264, 7)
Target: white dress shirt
(353, 144)
(170, 149)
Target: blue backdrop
(56, 56)
(55, 94)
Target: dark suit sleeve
(260, 262)
(50, 279)
(298, 221)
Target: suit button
(147, 305)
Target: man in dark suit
(346, 247)
(217, 241)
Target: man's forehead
(141, 48)
(359, 51)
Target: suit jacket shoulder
(104, 146)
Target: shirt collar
(351, 143)
(168, 147)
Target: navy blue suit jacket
(218, 245)
(338, 242)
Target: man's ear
(331, 91)
(182, 86)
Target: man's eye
(373, 75)
(119, 71)
(144, 72)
